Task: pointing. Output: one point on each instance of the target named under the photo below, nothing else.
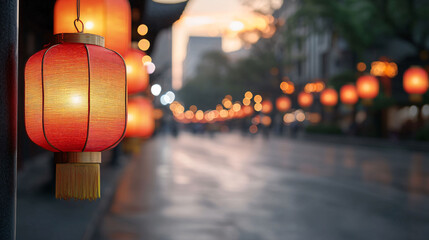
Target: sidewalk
(41, 216)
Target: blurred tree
(364, 23)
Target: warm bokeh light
(415, 80)
(110, 19)
(248, 110)
(248, 95)
(329, 97)
(253, 129)
(319, 86)
(305, 99)
(144, 44)
(367, 87)
(193, 108)
(384, 69)
(361, 66)
(137, 76)
(189, 115)
(257, 107)
(283, 104)
(219, 107)
(267, 106)
(348, 94)
(227, 103)
(236, 107)
(300, 116)
(146, 59)
(257, 99)
(246, 101)
(142, 29)
(158, 114)
(199, 115)
(223, 113)
(266, 121)
(289, 118)
(287, 87)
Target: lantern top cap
(85, 38)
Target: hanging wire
(77, 20)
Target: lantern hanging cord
(77, 20)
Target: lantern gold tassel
(77, 176)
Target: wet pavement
(231, 187)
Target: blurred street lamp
(156, 89)
(415, 82)
(329, 97)
(305, 99)
(267, 106)
(348, 94)
(367, 88)
(283, 104)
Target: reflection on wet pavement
(232, 187)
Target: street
(233, 187)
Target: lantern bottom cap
(79, 181)
(416, 98)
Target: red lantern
(108, 18)
(267, 106)
(348, 94)
(283, 104)
(367, 87)
(305, 99)
(415, 82)
(141, 122)
(137, 76)
(329, 97)
(76, 106)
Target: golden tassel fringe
(77, 181)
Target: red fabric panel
(33, 100)
(108, 94)
(66, 96)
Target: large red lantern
(415, 82)
(137, 76)
(108, 18)
(267, 106)
(348, 94)
(329, 97)
(367, 87)
(305, 99)
(283, 104)
(141, 121)
(76, 106)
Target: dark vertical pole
(8, 116)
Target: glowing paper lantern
(108, 18)
(329, 97)
(415, 82)
(137, 76)
(267, 106)
(305, 99)
(348, 94)
(283, 104)
(141, 122)
(367, 87)
(76, 106)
